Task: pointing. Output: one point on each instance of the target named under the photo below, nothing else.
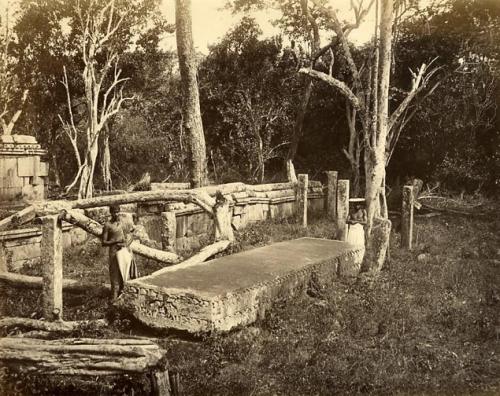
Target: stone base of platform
(236, 290)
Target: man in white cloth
(117, 234)
(357, 220)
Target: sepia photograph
(249, 197)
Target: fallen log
(36, 282)
(80, 356)
(23, 216)
(77, 218)
(454, 211)
(41, 325)
(271, 187)
(281, 193)
(201, 256)
(170, 186)
(228, 188)
(6, 222)
(198, 197)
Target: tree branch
(340, 85)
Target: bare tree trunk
(106, 161)
(297, 131)
(191, 101)
(375, 166)
(87, 179)
(55, 169)
(260, 158)
(376, 246)
(353, 152)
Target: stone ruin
(23, 172)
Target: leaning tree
(367, 92)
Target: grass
(429, 324)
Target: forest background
(250, 94)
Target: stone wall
(23, 245)
(193, 227)
(22, 171)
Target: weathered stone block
(342, 208)
(168, 230)
(236, 290)
(51, 247)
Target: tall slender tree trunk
(375, 155)
(190, 95)
(106, 161)
(297, 131)
(87, 179)
(260, 158)
(377, 237)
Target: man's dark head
(114, 210)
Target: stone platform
(236, 290)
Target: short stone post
(51, 247)
(223, 216)
(342, 209)
(407, 218)
(168, 231)
(331, 194)
(378, 245)
(302, 186)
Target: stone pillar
(3, 258)
(168, 231)
(223, 220)
(51, 247)
(407, 218)
(331, 194)
(342, 208)
(378, 244)
(302, 186)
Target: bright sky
(211, 21)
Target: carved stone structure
(22, 171)
(238, 289)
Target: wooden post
(342, 208)
(407, 218)
(331, 194)
(168, 231)
(51, 247)
(302, 186)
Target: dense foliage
(250, 91)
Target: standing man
(357, 220)
(117, 235)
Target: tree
(453, 138)
(98, 24)
(10, 109)
(48, 36)
(370, 98)
(191, 114)
(248, 89)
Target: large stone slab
(236, 290)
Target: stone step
(236, 290)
